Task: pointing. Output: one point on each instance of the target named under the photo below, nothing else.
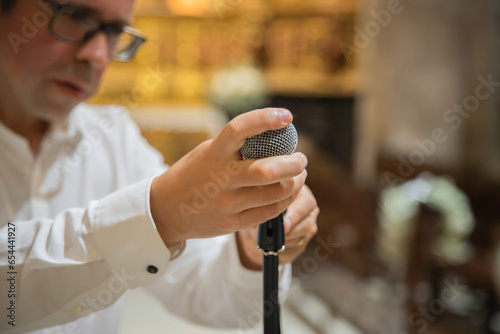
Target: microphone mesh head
(271, 143)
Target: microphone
(271, 234)
(271, 143)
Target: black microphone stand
(271, 234)
(271, 241)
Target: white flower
(238, 88)
(398, 209)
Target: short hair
(6, 5)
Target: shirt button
(152, 269)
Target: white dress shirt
(81, 233)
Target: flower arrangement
(398, 209)
(238, 88)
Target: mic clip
(271, 236)
(267, 253)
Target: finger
(255, 216)
(306, 228)
(271, 170)
(300, 209)
(251, 232)
(296, 242)
(252, 197)
(233, 135)
(248, 235)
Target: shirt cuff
(125, 235)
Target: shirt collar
(68, 128)
(14, 143)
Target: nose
(95, 51)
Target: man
(87, 207)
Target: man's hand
(211, 191)
(300, 227)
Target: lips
(74, 88)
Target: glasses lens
(73, 24)
(126, 45)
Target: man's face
(42, 76)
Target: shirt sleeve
(208, 285)
(81, 261)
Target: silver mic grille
(271, 143)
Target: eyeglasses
(77, 25)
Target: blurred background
(397, 107)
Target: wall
(420, 60)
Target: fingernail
(287, 224)
(305, 160)
(284, 115)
